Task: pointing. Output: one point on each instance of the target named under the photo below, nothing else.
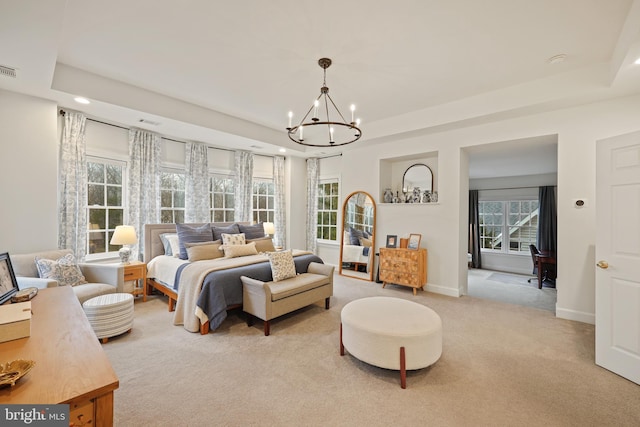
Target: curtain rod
(328, 157)
(511, 188)
(62, 113)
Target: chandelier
(326, 127)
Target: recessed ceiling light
(81, 100)
(556, 59)
(283, 150)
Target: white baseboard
(578, 316)
(443, 290)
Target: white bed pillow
(171, 244)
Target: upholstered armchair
(101, 278)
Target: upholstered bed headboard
(152, 243)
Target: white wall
(28, 174)
(443, 225)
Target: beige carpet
(501, 365)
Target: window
(328, 197)
(508, 226)
(172, 185)
(105, 195)
(221, 190)
(263, 200)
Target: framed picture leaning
(392, 241)
(414, 241)
(8, 283)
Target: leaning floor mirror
(358, 236)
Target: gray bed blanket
(223, 288)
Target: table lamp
(269, 229)
(124, 235)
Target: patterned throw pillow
(234, 251)
(282, 265)
(203, 250)
(64, 270)
(233, 239)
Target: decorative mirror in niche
(417, 176)
(417, 183)
(357, 246)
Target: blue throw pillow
(255, 231)
(354, 236)
(230, 229)
(192, 234)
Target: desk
(544, 259)
(71, 366)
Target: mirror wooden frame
(373, 237)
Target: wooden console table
(70, 365)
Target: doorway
(508, 175)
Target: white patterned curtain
(312, 204)
(196, 207)
(143, 184)
(243, 186)
(280, 217)
(72, 213)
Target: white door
(618, 255)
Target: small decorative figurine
(426, 197)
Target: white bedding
(163, 269)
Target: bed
(201, 292)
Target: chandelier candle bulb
(331, 135)
(316, 103)
(290, 117)
(301, 136)
(353, 109)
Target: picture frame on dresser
(8, 283)
(414, 241)
(392, 241)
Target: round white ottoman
(391, 333)
(110, 315)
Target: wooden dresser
(70, 365)
(407, 267)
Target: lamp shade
(269, 228)
(124, 235)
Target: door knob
(603, 264)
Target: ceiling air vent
(149, 122)
(8, 72)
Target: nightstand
(137, 270)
